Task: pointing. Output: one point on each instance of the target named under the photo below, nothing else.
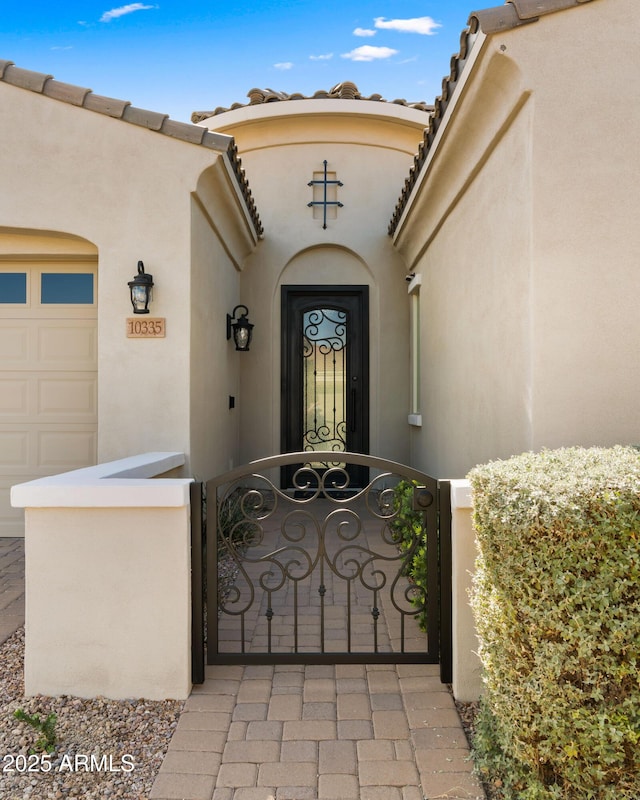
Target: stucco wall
(128, 191)
(215, 373)
(108, 609)
(586, 207)
(370, 146)
(522, 229)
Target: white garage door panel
(14, 450)
(37, 451)
(14, 394)
(48, 396)
(50, 344)
(14, 343)
(61, 452)
(67, 396)
(48, 388)
(64, 345)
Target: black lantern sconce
(241, 328)
(140, 288)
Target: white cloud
(61, 47)
(423, 25)
(284, 65)
(364, 32)
(122, 10)
(369, 53)
(324, 57)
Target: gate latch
(422, 498)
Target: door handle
(352, 421)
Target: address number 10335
(149, 328)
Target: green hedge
(407, 526)
(557, 604)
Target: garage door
(48, 374)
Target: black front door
(325, 372)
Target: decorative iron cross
(325, 202)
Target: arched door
(325, 373)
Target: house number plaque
(149, 328)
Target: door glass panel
(324, 379)
(67, 287)
(13, 287)
(325, 376)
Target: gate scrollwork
(322, 554)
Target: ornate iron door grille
(325, 375)
(324, 369)
(314, 575)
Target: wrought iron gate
(316, 574)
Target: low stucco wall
(108, 582)
(467, 669)
(108, 608)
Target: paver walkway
(317, 732)
(343, 732)
(367, 732)
(11, 586)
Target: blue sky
(179, 56)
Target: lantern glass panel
(140, 298)
(242, 337)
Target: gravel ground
(468, 713)
(127, 740)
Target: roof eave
(81, 97)
(481, 24)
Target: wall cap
(126, 483)
(461, 494)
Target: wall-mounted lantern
(241, 328)
(140, 288)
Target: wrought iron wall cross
(325, 182)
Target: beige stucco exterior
(522, 230)
(82, 638)
(519, 228)
(369, 146)
(190, 227)
(108, 581)
(466, 677)
(187, 223)
(519, 231)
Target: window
(13, 287)
(415, 417)
(325, 195)
(66, 288)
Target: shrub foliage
(557, 604)
(407, 527)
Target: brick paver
(290, 732)
(410, 746)
(11, 586)
(320, 732)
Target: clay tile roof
(518, 12)
(490, 20)
(123, 110)
(341, 91)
